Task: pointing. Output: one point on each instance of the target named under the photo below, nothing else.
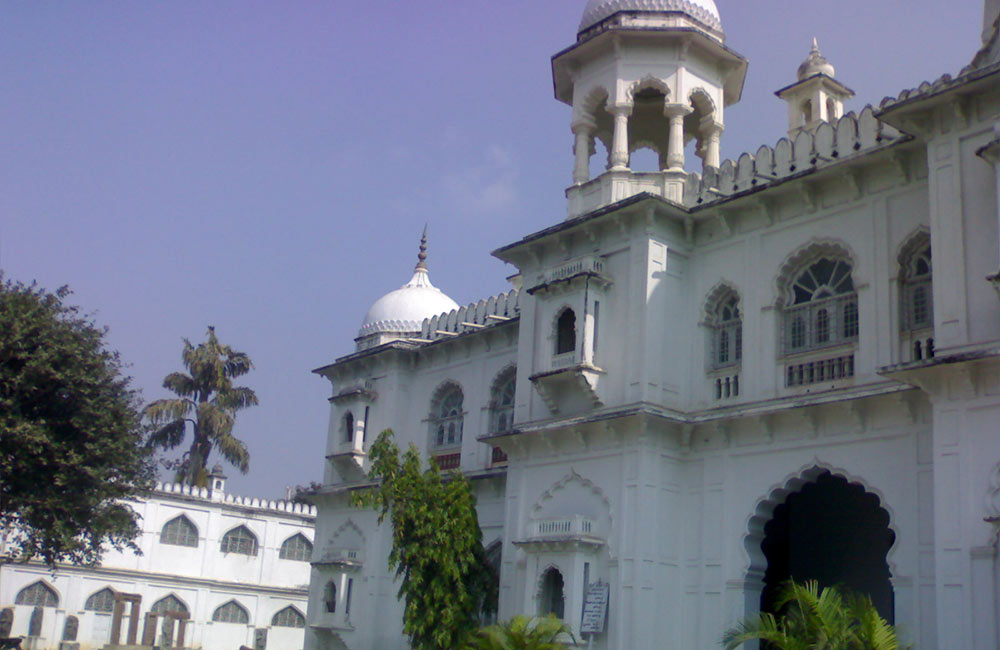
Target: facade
(708, 379)
(238, 568)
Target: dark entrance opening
(834, 532)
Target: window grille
(37, 594)
(814, 372)
(168, 604)
(566, 332)
(288, 617)
(296, 548)
(179, 531)
(239, 540)
(102, 601)
(231, 612)
(824, 310)
(447, 418)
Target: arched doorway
(834, 532)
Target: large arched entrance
(831, 531)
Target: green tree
(817, 619)
(208, 401)
(71, 444)
(523, 633)
(437, 550)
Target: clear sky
(267, 167)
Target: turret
(816, 97)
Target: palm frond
(237, 398)
(234, 451)
(168, 436)
(181, 384)
(167, 410)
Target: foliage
(523, 633)
(208, 401)
(437, 548)
(815, 618)
(71, 447)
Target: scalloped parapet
(246, 502)
(852, 135)
(472, 317)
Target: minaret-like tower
(645, 74)
(816, 97)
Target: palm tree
(817, 619)
(208, 401)
(523, 633)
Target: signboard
(595, 608)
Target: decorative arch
(541, 585)
(38, 594)
(447, 414)
(564, 339)
(605, 517)
(240, 540)
(101, 601)
(288, 617)
(169, 603)
(297, 547)
(179, 531)
(912, 245)
(231, 612)
(593, 100)
(501, 404)
(763, 512)
(349, 527)
(721, 291)
(702, 102)
(806, 255)
(648, 82)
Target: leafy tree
(208, 401)
(71, 444)
(815, 618)
(437, 548)
(523, 633)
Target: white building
(238, 567)
(709, 378)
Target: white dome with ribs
(703, 10)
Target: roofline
(817, 76)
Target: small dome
(815, 64)
(703, 10)
(405, 309)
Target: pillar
(675, 144)
(712, 134)
(181, 629)
(584, 132)
(991, 153)
(116, 621)
(133, 621)
(619, 146)
(149, 629)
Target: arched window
(552, 599)
(239, 540)
(231, 612)
(566, 332)
(330, 597)
(918, 301)
(37, 594)
(101, 601)
(447, 416)
(168, 604)
(179, 531)
(502, 402)
(288, 617)
(348, 427)
(727, 332)
(823, 309)
(296, 547)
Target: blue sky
(267, 167)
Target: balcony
(344, 557)
(613, 186)
(448, 461)
(498, 458)
(560, 533)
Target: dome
(815, 64)
(703, 10)
(405, 309)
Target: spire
(422, 255)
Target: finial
(815, 47)
(422, 255)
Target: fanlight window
(502, 403)
(239, 540)
(918, 302)
(297, 548)
(566, 332)
(727, 333)
(179, 531)
(168, 604)
(330, 597)
(288, 617)
(552, 599)
(447, 417)
(824, 309)
(231, 612)
(37, 594)
(102, 601)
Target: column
(149, 629)
(712, 132)
(133, 620)
(619, 146)
(181, 629)
(675, 143)
(991, 153)
(584, 132)
(116, 620)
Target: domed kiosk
(400, 313)
(704, 11)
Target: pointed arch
(564, 330)
(342, 537)
(724, 318)
(915, 274)
(805, 256)
(239, 540)
(170, 603)
(179, 531)
(297, 547)
(231, 612)
(502, 399)
(648, 82)
(288, 617)
(722, 290)
(101, 601)
(551, 592)
(447, 416)
(38, 594)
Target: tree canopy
(71, 444)
(524, 633)
(208, 401)
(437, 548)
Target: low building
(238, 567)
